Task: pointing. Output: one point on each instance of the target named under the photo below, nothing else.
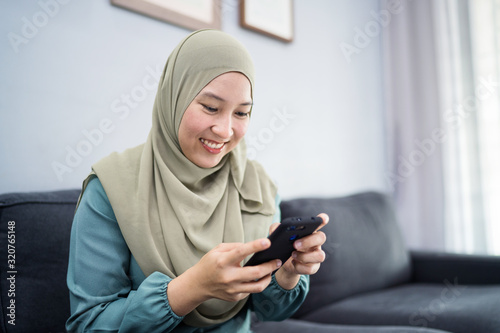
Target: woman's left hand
(306, 259)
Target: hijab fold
(172, 212)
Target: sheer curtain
(411, 87)
(468, 49)
(443, 122)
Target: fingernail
(294, 255)
(278, 263)
(264, 242)
(298, 245)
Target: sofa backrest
(364, 248)
(34, 241)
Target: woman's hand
(219, 275)
(307, 258)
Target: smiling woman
(166, 226)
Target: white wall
(71, 73)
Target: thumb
(273, 227)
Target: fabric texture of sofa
(369, 281)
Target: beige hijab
(170, 211)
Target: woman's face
(216, 120)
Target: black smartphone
(282, 239)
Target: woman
(161, 229)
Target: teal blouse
(109, 292)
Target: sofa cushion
(364, 248)
(302, 326)
(447, 306)
(35, 231)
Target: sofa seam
(4, 204)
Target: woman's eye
(242, 114)
(209, 108)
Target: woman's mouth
(212, 146)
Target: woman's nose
(223, 127)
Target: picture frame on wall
(272, 18)
(190, 14)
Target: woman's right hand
(219, 275)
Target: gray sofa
(369, 282)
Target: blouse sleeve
(277, 214)
(276, 303)
(101, 293)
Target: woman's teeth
(212, 145)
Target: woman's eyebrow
(214, 96)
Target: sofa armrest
(436, 267)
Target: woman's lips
(212, 146)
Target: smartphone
(282, 239)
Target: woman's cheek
(242, 128)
